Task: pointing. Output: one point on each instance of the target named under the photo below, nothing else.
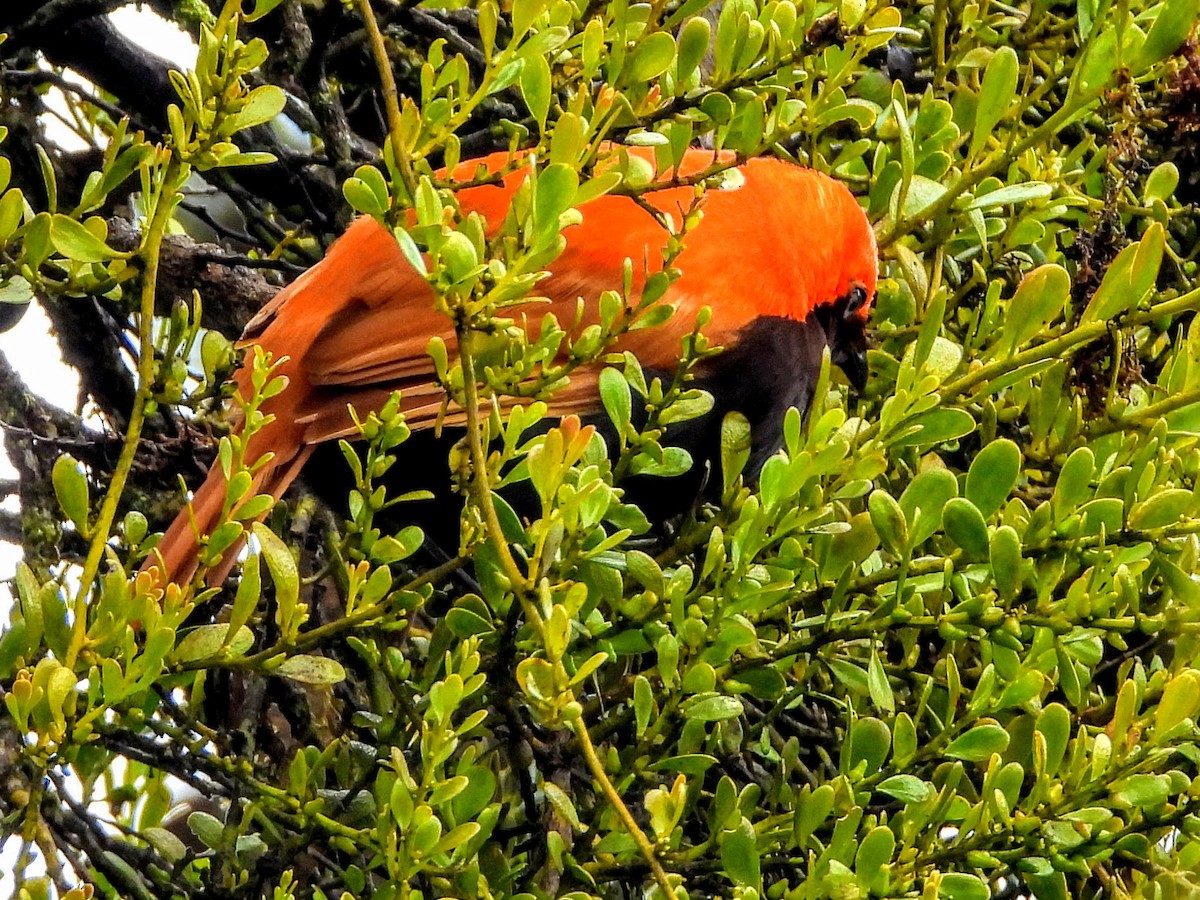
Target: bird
(784, 256)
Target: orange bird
(786, 261)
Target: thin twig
(391, 102)
(606, 785)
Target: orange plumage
(781, 247)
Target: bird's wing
(377, 342)
(365, 353)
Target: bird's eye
(855, 301)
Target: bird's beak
(854, 364)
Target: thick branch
(189, 265)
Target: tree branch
(189, 265)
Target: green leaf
(286, 578)
(1129, 277)
(889, 521)
(904, 739)
(739, 855)
(360, 196)
(965, 526)
(556, 187)
(465, 623)
(1054, 725)
(312, 669)
(870, 742)
(1160, 184)
(1024, 688)
(617, 399)
(694, 40)
(643, 703)
(1172, 25)
(943, 359)
(937, 426)
(249, 590)
(412, 253)
(908, 788)
(1099, 63)
(923, 501)
(1012, 194)
(207, 828)
(1180, 701)
(978, 744)
(694, 765)
(922, 193)
(74, 241)
(12, 208)
(1142, 790)
(993, 475)
(662, 812)
(960, 886)
(1162, 509)
(262, 105)
(1085, 11)
(1004, 555)
(535, 88)
(481, 786)
(875, 850)
(1074, 480)
(507, 76)
(524, 14)
(651, 58)
(216, 353)
(1040, 297)
(735, 448)
(675, 461)
(995, 95)
(764, 683)
(458, 255)
(206, 641)
(878, 685)
(812, 811)
(648, 573)
(164, 842)
(71, 489)
(596, 187)
(714, 709)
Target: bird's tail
(177, 556)
(363, 263)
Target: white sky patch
(156, 34)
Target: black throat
(773, 365)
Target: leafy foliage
(948, 640)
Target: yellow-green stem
(174, 175)
(483, 489)
(1147, 415)
(606, 786)
(521, 587)
(1082, 335)
(391, 102)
